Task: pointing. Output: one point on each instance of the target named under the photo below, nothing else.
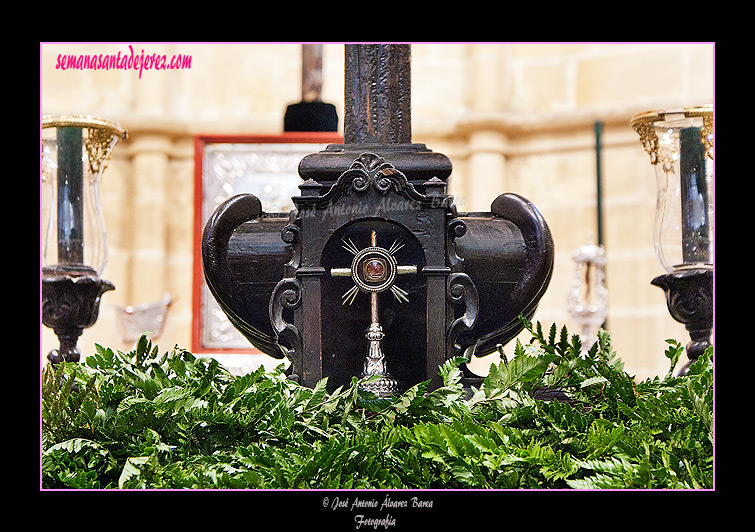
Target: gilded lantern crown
(100, 135)
(645, 126)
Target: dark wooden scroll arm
(217, 233)
(539, 249)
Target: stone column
(150, 150)
(487, 161)
(150, 205)
(180, 237)
(486, 168)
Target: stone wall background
(512, 117)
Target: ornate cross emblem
(374, 270)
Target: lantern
(75, 152)
(680, 145)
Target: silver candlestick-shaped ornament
(588, 298)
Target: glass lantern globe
(680, 145)
(75, 152)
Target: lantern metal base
(689, 297)
(70, 303)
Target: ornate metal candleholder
(70, 304)
(680, 145)
(75, 152)
(689, 297)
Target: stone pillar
(179, 219)
(487, 161)
(486, 168)
(150, 170)
(150, 148)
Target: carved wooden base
(689, 297)
(474, 273)
(69, 305)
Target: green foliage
(550, 417)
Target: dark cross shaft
(377, 94)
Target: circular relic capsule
(373, 269)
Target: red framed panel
(314, 141)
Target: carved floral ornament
(646, 125)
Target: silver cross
(374, 270)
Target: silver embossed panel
(270, 172)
